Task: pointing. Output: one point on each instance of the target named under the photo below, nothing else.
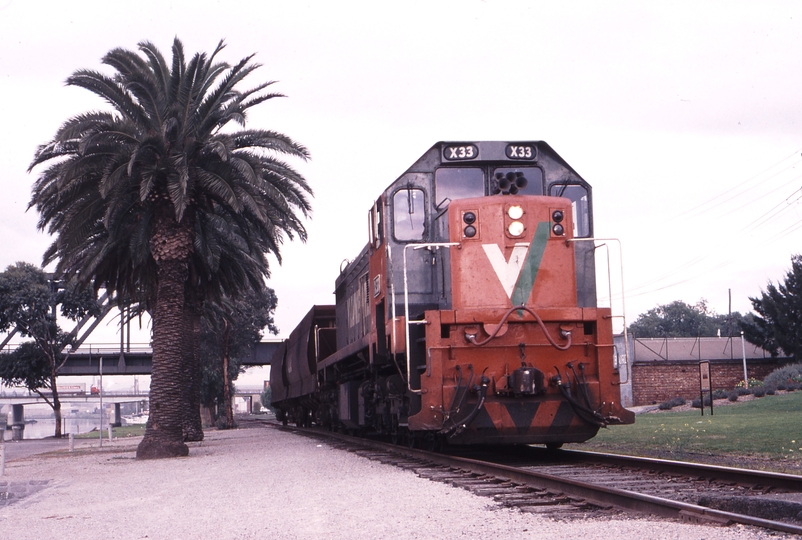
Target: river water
(45, 427)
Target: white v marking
(506, 271)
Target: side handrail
(407, 322)
(623, 315)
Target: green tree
(162, 201)
(230, 331)
(777, 327)
(28, 300)
(679, 319)
(266, 398)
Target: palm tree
(162, 201)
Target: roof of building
(698, 349)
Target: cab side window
(580, 203)
(409, 215)
(376, 224)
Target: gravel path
(264, 483)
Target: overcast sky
(684, 116)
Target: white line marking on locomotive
(506, 271)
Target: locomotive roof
(495, 151)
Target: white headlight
(515, 212)
(516, 228)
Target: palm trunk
(193, 425)
(163, 432)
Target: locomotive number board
(466, 152)
(521, 151)
(460, 152)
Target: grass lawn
(136, 430)
(762, 433)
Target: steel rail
(731, 474)
(630, 500)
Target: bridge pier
(17, 422)
(118, 418)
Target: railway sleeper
(535, 502)
(703, 519)
(409, 465)
(759, 507)
(517, 500)
(446, 477)
(484, 480)
(467, 483)
(430, 470)
(491, 491)
(554, 513)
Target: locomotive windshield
(454, 183)
(451, 184)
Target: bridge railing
(111, 348)
(20, 392)
(97, 348)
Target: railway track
(579, 485)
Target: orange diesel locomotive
(469, 317)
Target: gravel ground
(264, 483)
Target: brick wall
(656, 382)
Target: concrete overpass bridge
(137, 359)
(21, 396)
(121, 358)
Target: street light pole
(743, 350)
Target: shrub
(671, 403)
(257, 407)
(782, 386)
(719, 393)
(732, 395)
(786, 374)
(265, 398)
(759, 391)
(221, 423)
(770, 390)
(743, 391)
(697, 404)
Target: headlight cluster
(516, 227)
(558, 229)
(469, 218)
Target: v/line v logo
(517, 275)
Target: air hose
(459, 427)
(540, 322)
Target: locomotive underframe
(369, 393)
